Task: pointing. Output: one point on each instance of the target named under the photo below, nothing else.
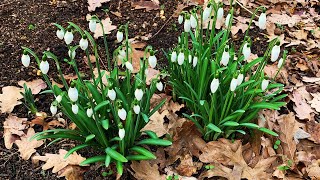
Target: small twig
(162, 27)
(244, 7)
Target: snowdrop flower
(75, 108)
(240, 79)
(112, 94)
(59, 98)
(275, 52)
(214, 85)
(193, 21)
(280, 63)
(173, 56)
(220, 14)
(129, 66)
(152, 61)
(159, 86)
(122, 113)
(72, 54)
(25, 59)
(53, 109)
(180, 19)
(60, 33)
(122, 133)
(121, 55)
(89, 112)
(228, 19)
(190, 58)
(195, 61)
(233, 84)
(187, 25)
(119, 36)
(246, 51)
(93, 25)
(68, 37)
(138, 93)
(136, 109)
(225, 57)
(73, 93)
(206, 12)
(84, 43)
(264, 84)
(180, 58)
(262, 22)
(44, 66)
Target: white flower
(53, 109)
(25, 59)
(240, 79)
(180, 58)
(246, 51)
(44, 67)
(195, 61)
(75, 108)
(180, 19)
(225, 58)
(233, 84)
(220, 14)
(72, 54)
(83, 44)
(129, 66)
(173, 56)
(119, 36)
(112, 94)
(262, 21)
(280, 62)
(59, 98)
(138, 93)
(122, 133)
(264, 84)
(275, 53)
(206, 13)
(89, 112)
(73, 94)
(159, 86)
(187, 25)
(190, 58)
(68, 37)
(122, 113)
(228, 19)
(121, 55)
(136, 109)
(152, 61)
(214, 85)
(60, 33)
(193, 21)
(92, 25)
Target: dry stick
(162, 27)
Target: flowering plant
(108, 116)
(219, 85)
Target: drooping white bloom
(187, 25)
(195, 61)
(180, 19)
(233, 84)
(53, 109)
(72, 54)
(220, 14)
(25, 59)
(246, 51)
(122, 133)
(280, 63)
(112, 94)
(138, 93)
(193, 21)
(214, 85)
(92, 25)
(275, 53)
(190, 58)
(173, 56)
(73, 94)
(122, 113)
(60, 34)
(240, 79)
(89, 112)
(136, 109)
(264, 84)
(262, 21)
(119, 36)
(180, 58)
(225, 58)
(129, 66)
(206, 13)
(152, 61)
(59, 98)
(121, 55)
(83, 44)
(228, 19)
(68, 37)
(44, 67)
(75, 108)
(159, 86)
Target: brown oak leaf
(144, 171)
(36, 85)
(13, 128)
(10, 98)
(27, 147)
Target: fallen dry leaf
(156, 123)
(313, 129)
(301, 107)
(315, 102)
(107, 26)
(93, 4)
(72, 172)
(27, 147)
(13, 129)
(41, 120)
(284, 19)
(144, 171)
(314, 170)
(10, 98)
(186, 167)
(36, 85)
(148, 5)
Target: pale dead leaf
(300, 34)
(144, 171)
(92, 59)
(156, 124)
(315, 102)
(55, 83)
(107, 26)
(286, 134)
(239, 26)
(27, 147)
(314, 170)
(72, 172)
(310, 79)
(148, 5)
(284, 19)
(301, 107)
(41, 120)
(36, 85)
(186, 167)
(10, 98)
(13, 128)
(93, 4)
(313, 129)
(152, 74)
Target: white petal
(214, 85)
(138, 93)
(180, 58)
(119, 36)
(25, 59)
(73, 94)
(228, 19)
(220, 14)
(225, 58)
(75, 108)
(246, 51)
(136, 109)
(72, 55)
(152, 61)
(233, 84)
(53, 110)
(180, 19)
(92, 25)
(173, 56)
(44, 67)
(60, 34)
(275, 53)
(122, 113)
(68, 37)
(112, 94)
(195, 61)
(129, 66)
(262, 21)
(190, 58)
(159, 86)
(193, 21)
(206, 13)
(240, 79)
(280, 62)
(187, 25)
(59, 98)
(264, 84)
(122, 133)
(83, 44)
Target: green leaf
(250, 125)
(105, 124)
(119, 167)
(93, 160)
(75, 149)
(151, 134)
(115, 155)
(230, 123)
(268, 131)
(157, 107)
(157, 142)
(107, 161)
(101, 105)
(143, 151)
(138, 157)
(90, 137)
(214, 128)
(266, 105)
(145, 117)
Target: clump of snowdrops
(108, 116)
(219, 85)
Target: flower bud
(75, 108)
(119, 36)
(159, 86)
(214, 85)
(180, 19)
(195, 61)
(59, 98)
(240, 79)
(275, 53)
(122, 113)
(92, 25)
(264, 84)
(44, 66)
(225, 58)
(180, 58)
(112, 94)
(262, 22)
(173, 56)
(152, 61)
(83, 43)
(233, 84)
(280, 63)
(25, 59)
(193, 21)
(53, 109)
(228, 19)
(72, 54)
(220, 14)
(68, 37)
(136, 109)
(122, 133)
(187, 25)
(73, 94)
(129, 66)
(60, 34)
(190, 58)
(246, 51)
(89, 112)
(138, 93)
(206, 13)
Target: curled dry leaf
(10, 98)
(301, 107)
(315, 102)
(313, 129)
(36, 85)
(284, 19)
(156, 123)
(27, 147)
(187, 167)
(144, 171)
(107, 26)
(72, 172)
(93, 4)
(148, 5)
(314, 169)
(41, 120)
(13, 129)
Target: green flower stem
(252, 17)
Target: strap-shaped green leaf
(230, 123)
(105, 124)
(158, 142)
(151, 134)
(75, 149)
(138, 157)
(268, 131)
(214, 128)
(143, 151)
(90, 137)
(250, 125)
(101, 105)
(93, 160)
(115, 155)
